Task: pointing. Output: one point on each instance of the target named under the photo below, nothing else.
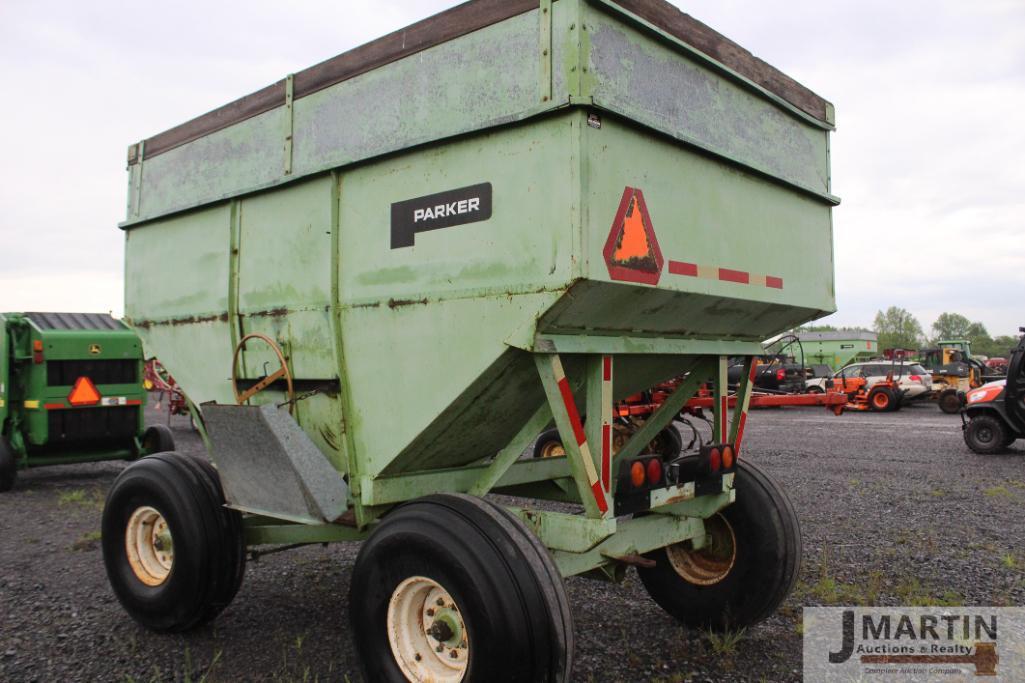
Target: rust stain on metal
(397, 303)
(174, 322)
(272, 313)
(632, 560)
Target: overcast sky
(929, 155)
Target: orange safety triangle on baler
(632, 252)
(84, 393)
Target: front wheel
(986, 434)
(157, 439)
(175, 556)
(881, 400)
(8, 466)
(745, 570)
(454, 588)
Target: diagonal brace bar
(744, 391)
(571, 431)
(508, 455)
(669, 410)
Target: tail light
(654, 472)
(915, 378)
(37, 351)
(781, 374)
(717, 459)
(637, 474)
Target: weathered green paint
(561, 531)
(432, 353)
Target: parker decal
(434, 212)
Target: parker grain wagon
(70, 391)
(394, 269)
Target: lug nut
(453, 654)
(430, 611)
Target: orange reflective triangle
(631, 251)
(84, 393)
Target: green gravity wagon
(71, 391)
(394, 269)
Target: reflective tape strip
(740, 277)
(581, 438)
(606, 424)
(55, 406)
(745, 406)
(31, 405)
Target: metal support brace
(744, 391)
(598, 408)
(545, 50)
(571, 430)
(136, 177)
(720, 428)
(289, 124)
(508, 455)
(664, 415)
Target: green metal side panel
(836, 353)
(485, 78)
(703, 213)
(660, 83)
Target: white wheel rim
(420, 614)
(713, 562)
(149, 546)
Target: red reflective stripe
(740, 434)
(606, 370)
(774, 282)
(571, 408)
(599, 497)
(681, 268)
(133, 402)
(739, 276)
(606, 456)
(751, 375)
(55, 406)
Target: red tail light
(637, 474)
(37, 351)
(728, 457)
(781, 374)
(654, 471)
(714, 460)
(915, 378)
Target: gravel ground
(894, 510)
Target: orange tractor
(880, 396)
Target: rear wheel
(986, 434)
(881, 400)
(175, 556)
(157, 439)
(746, 569)
(549, 445)
(454, 588)
(8, 466)
(950, 402)
(815, 389)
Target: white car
(914, 380)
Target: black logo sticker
(443, 210)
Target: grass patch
(997, 492)
(73, 497)
(725, 644)
(87, 541)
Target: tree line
(897, 328)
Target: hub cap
(426, 632)
(149, 546)
(552, 449)
(710, 564)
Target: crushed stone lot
(894, 509)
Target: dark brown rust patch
(272, 313)
(396, 303)
(175, 322)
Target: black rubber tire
(670, 441)
(986, 434)
(157, 439)
(875, 400)
(544, 440)
(507, 587)
(950, 402)
(8, 466)
(768, 559)
(209, 546)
